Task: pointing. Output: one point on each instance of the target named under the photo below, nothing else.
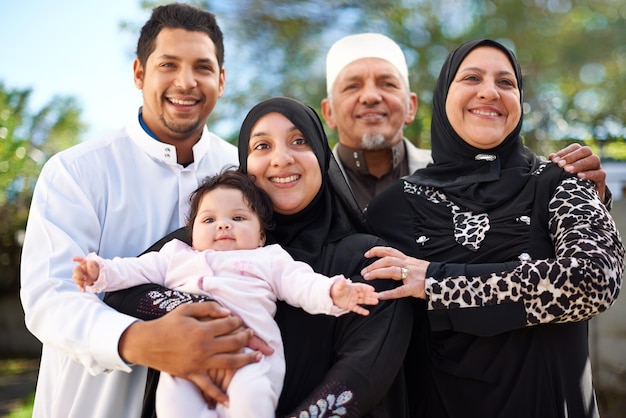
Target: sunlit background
(72, 48)
(66, 76)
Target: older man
(369, 102)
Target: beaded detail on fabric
(333, 406)
(156, 302)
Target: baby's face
(226, 222)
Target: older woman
(520, 254)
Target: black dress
(320, 350)
(522, 256)
(508, 338)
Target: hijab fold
(473, 178)
(333, 213)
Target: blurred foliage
(27, 140)
(25, 410)
(572, 53)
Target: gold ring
(404, 273)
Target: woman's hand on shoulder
(395, 265)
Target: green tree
(572, 52)
(27, 140)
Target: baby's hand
(85, 273)
(350, 296)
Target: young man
(369, 101)
(115, 196)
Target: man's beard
(180, 128)
(373, 142)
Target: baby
(229, 262)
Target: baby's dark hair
(231, 178)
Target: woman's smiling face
(283, 163)
(483, 103)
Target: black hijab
(473, 178)
(333, 213)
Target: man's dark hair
(231, 178)
(179, 16)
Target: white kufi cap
(363, 45)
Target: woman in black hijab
(332, 213)
(520, 254)
(346, 364)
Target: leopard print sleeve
(583, 280)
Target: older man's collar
(354, 159)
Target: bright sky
(73, 48)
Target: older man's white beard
(373, 142)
